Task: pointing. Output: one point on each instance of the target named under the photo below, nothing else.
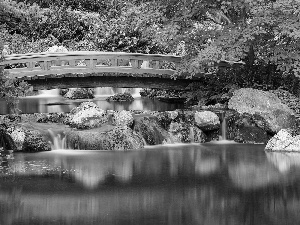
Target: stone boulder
(6, 142)
(18, 136)
(207, 120)
(268, 105)
(246, 128)
(186, 133)
(147, 127)
(79, 93)
(87, 115)
(50, 117)
(35, 142)
(117, 138)
(284, 140)
(121, 97)
(122, 118)
(163, 118)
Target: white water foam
(109, 91)
(57, 142)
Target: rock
(114, 138)
(207, 120)
(6, 142)
(163, 119)
(122, 138)
(121, 97)
(268, 105)
(251, 135)
(173, 115)
(79, 93)
(122, 118)
(185, 133)
(51, 117)
(210, 107)
(87, 115)
(147, 127)
(284, 141)
(18, 136)
(247, 128)
(35, 142)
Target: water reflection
(284, 161)
(58, 104)
(187, 184)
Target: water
(50, 102)
(176, 184)
(223, 126)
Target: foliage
(257, 39)
(259, 32)
(11, 89)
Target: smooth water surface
(177, 184)
(49, 101)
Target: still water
(207, 184)
(49, 101)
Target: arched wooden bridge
(95, 69)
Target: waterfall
(49, 93)
(192, 134)
(109, 91)
(223, 126)
(58, 141)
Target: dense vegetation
(257, 39)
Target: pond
(207, 184)
(49, 101)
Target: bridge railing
(87, 62)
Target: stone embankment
(252, 116)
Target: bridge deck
(94, 69)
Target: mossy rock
(147, 126)
(86, 116)
(79, 93)
(118, 138)
(265, 104)
(35, 142)
(6, 141)
(121, 97)
(186, 133)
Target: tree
(11, 89)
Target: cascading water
(58, 140)
(223, 126)
(109, 91)
(49, 93)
